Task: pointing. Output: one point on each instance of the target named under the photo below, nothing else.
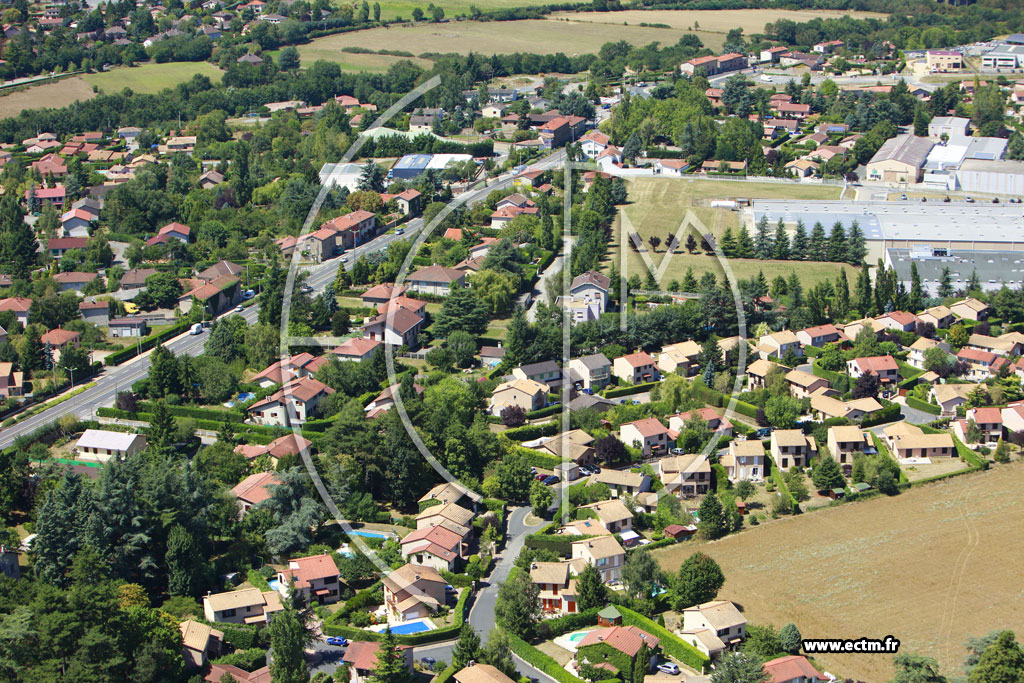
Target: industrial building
(943, 165)
(411, 165)
(899, 160)
(1004, 56)
(341, 175)
(992, 268)
(994, 177)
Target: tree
(184, 563)
(712, 519)
(590, 589)
(462, 347)
(699, 580)
(513, 416)
(390, 662)
(513, 476)
(781, 411)
(866, 386)
(912, 668)
(610, 450)
(827, 475)
(371, 178)
(540, 498)
(740, 667)
(1001, 662)
(641, 575)
(161, 433)
(288, 59)
(517, 608)
(790, 639)
(498, 652)
(467, 647)
(745, 489)
(946, 283)
(958, 336)
(462, 310)
(60, 529)
(631, 150)
(163, 290)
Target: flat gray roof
(994, 268)
(905, 220)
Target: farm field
(930, 567)
(714, 21)
(487, 38)
(351, 61)
(150, 78)
(57, 94)
(391, 9)
(658, 205)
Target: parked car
(336, 641)
(539, 477)
(239, 308)
(550, 479)
(428, 663)
(669, 668)
(400, 231)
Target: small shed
(678, 531)
(861, 487)
(609, 616)
(837, 493)
(741, 506)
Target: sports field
(56, 94)
(930, 567)
(151, 78)
(657, 206)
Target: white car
(669, 668)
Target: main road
(112, 380)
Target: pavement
(543, 287)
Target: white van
(766, 78)
(196, 329)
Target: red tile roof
(255, 488)
(648, 426)
(976, 355)
(626, 639)
(877, 364)
(310, 569)
(638, 359)
(792, 668)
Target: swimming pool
(274, 584)
(575, 638)
(411, 627)
(368, 534)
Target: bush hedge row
(146, 344)
(539, 660)
(446, 675)
(538, 459)
(552, 628)
(917, 403)
(197, 412)
(530, 432)
(631, 389)
(889, 413)
(544, 412)
(671, 644)
(744, 408)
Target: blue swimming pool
(413, 627)
(274, 584)
(368, 534)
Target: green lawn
(391, 9)
(657, 206)
(151, 78)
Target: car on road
(344, 259)
(248, 294)
(336, 641)
(399, 231)
(196, 329)
(239, 308)
(669, 668)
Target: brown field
(930, 567)
(58, 94)
(714, 21)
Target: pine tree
(689, 281)
(974, 283)
(790, 639)
(744, 245)
(946, 283)
(18, 242)
(798, 250)
(827, 475)
(288, 639)
(728, 243)
(856, 249)
(184, 563)
(763, 247)
(1002, 661)
(590, 589)
(467, 647)
(371, 178)
(864, 296)
(641, 663)
(32, 352)
(781, 246)
(841, 302)
(712, 518)
(837, 243)
(817, 247)
(60, 529)
(164, 374)
(916, 301)
(160, 435)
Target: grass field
(930, 567)
(57, 94)
(151, 78)
(658, 205)
(391, 9)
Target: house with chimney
(648, 434)
(604, 552)
(314, 578)
(294, 403)
(413, 592)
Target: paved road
(544, 285)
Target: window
(228, 613)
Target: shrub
(249, 660)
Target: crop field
(391, 9)
(930, 567)
(57, 94)
(151, 78)
(657, 206)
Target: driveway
(544, 285)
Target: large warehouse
(991, 176)
(411, 165)
(992, 268)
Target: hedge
(889, 413)
(830, 375)
(671, 644)
(631, 389)
(257, 580)
(538, 459)
(539, 660)
(544, 412)
(197, 412)
(146, 344)
(813, 351)
(437, 635)
(783, 489)
(918, 404)
(969, 456)
(530, 432)
(744, 408)
(552, 628)
(560, 544)
(446, 675)
(249, 660)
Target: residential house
(635, 368)
(481, 673)
(379, 294)
(449, 492)
(356, 349)
(593, 143)
(915, 356)
(950, 396)
(74, 281)
(901, 321)
(95, 312)
(793, 669)
(591, 286)
(628, 640)
(294, 403)
(792, 448)
(314, 578)
(59, 246)
(939, 316)
(884, 367)
(981, 363)
(803, 168)
(713, 627)
(828, 47)
(385, 399)
(711, 416)
(128, 326)
(671, 167)
(136, 278)
(171, 231)
(1007, 344)
(448, 515)
(622, 482)
(804, 384)
(352, 229)
(845, 442)
(591, 373)
(400, 327)
(744, 461)
(598, 403)
(647, 434)
(758, 371)
(198, 643)
(971, 309)
(779, 344)
(825, 407)
(76, 223)
(909, 441)
(1012, 417)
(102, 445)
(989, 421)
(681, 358)
(435, 547)
(361, 659)
(11, 383)
(243, 606)
(604, 552)
(436, 280)
(19, 305)
(574, 445)
(557, 587)
(525, 393)
(282, 446)
(215, 296)
(545, 372)
(612, 514)
(253, 490)
(210, 179)
(413, 592)
(685, 476)
(820, 335)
